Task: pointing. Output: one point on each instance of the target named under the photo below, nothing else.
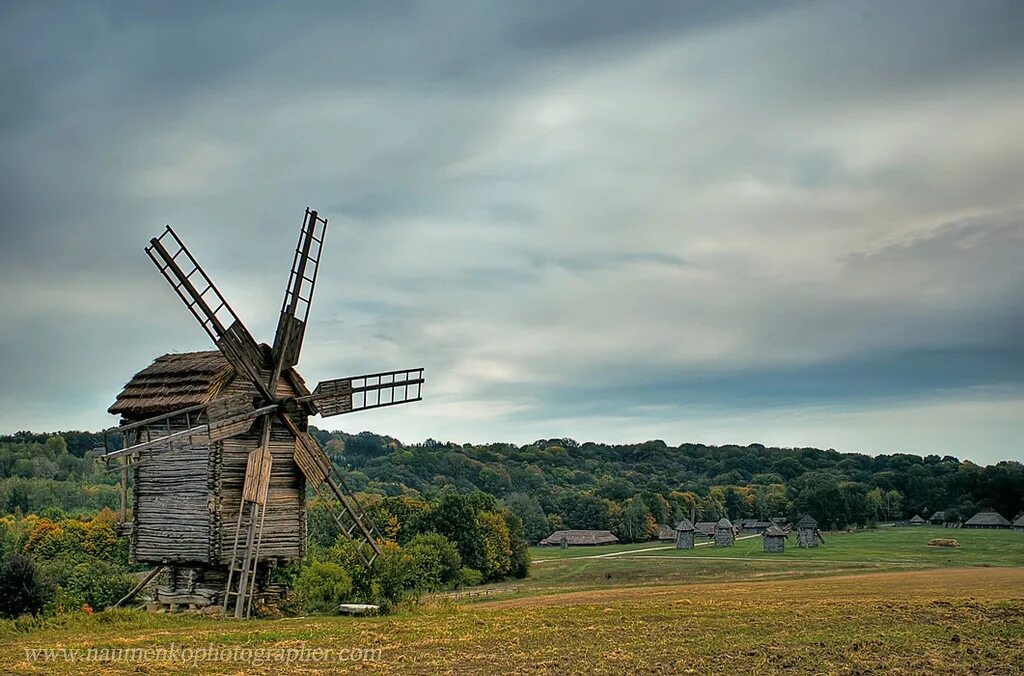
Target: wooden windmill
(217, 446)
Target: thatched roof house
(917, 520)
(706, 528)
(1019, 523)
(577, 538)
(665, 532)
(754, 525)
(938, 517)
(987, 520)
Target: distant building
(917, 521)
(773, 540)
(753, 525)
(684, 534)
(987, 520)
(807, 532)
(938, 518)
(705, 528)
(725, 535)
(1019, 523)
(580, 538)
(665, 532)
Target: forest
(561, 483)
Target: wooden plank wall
(171, 502)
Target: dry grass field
(951, 620)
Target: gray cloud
(580, 218)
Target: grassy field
(865, 602)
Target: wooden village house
(579, 538)
(987, 520)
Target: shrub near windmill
(217, 442)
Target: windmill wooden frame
(216, 442)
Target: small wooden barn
(808, 534)
(579, 538)
(987, 520)
(917, 520)
(1019, 523)
(938, 518)
(773, 540)
(725, 534)
(684, 534)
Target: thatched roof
(987, 519)
(580, 537)
(775, 532)
(1019, 523)
(723, 523)
(176, 381)
(706, 527)
(685, 526)
(807, 521)
(917, 519)
(939, 516)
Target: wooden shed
(1019, 523)
(725, 534)
(684, 534)
(186, 496)
(773, 540)
(917, 521)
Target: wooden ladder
(252, 509)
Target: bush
(21, 590)
(435, 562)
(470, 577)
(78, 580)
(321, 586)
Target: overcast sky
(725, 222)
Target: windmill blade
(223, 419)
(374, 390)
(291, 327)
(318, 469)
(207, 304)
